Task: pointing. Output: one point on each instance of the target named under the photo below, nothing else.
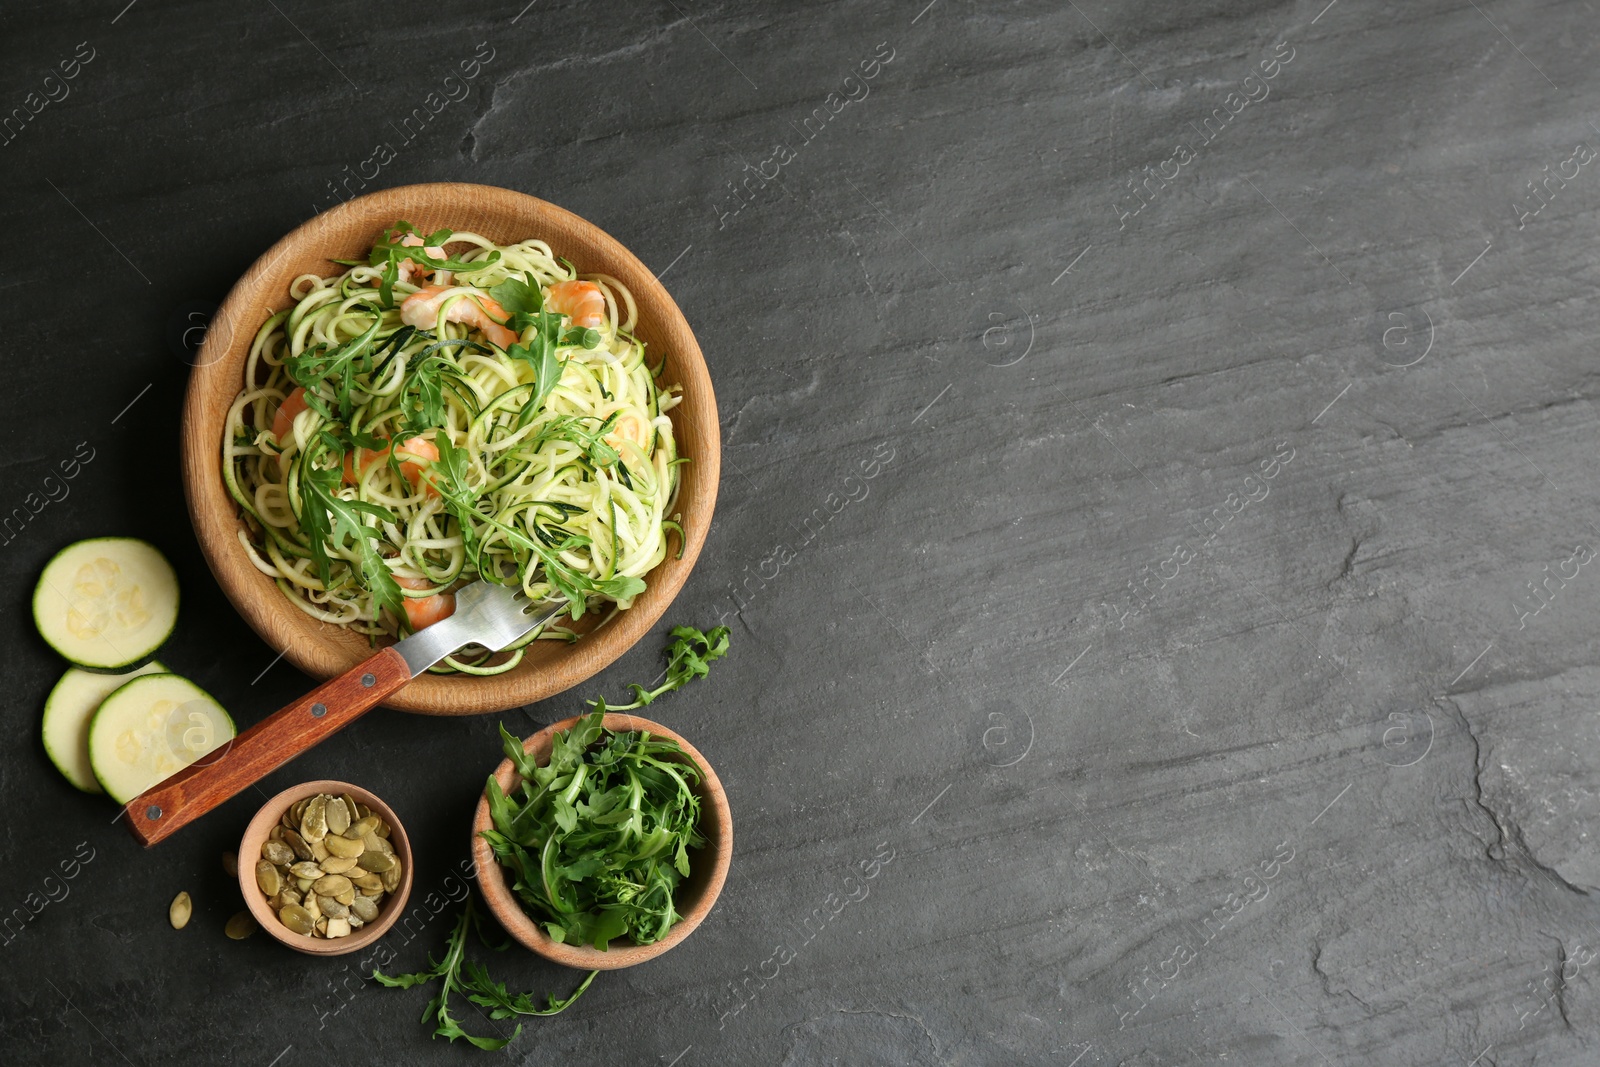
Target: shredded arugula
(597, 838)
(472, 980)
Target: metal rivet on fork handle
(318, 710)
(153, 812)
(368, 681)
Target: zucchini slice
(106, 604)
(150, 728)
(67, 711)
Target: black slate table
(1156, 528)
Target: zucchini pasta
(432, 417)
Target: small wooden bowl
(708, 865)
(255, 835)
(348, 231)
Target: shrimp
(293, 405)
(426, 610)
(415, 454)
(475, 309)
(583, 301)
(409, 267)
(628, 427)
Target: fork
(486, 614)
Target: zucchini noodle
(422, 454)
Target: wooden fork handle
(228, 770)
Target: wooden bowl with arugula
(324, 246)
(604, 844)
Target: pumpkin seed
(368, 883)
(319, 850)
(346, 896)
(332, 908)
(391, 878)
(307, 869)
(276, 833)
(293, 839)
(364, 908)
(337, 815)
(362, 827)
(338, 865)
(354, 921)
(376, 862)
(338, 928)
(179, 910)
(268, 878)
(289, 895)
(241, 926)
(230, 865)
(331, 885)
(314, 824)
(383, 829)
(343, 846)
(277, 852)
(304, 884)
(313, 909)
(296, 918)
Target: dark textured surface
(1321, 793)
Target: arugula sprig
(524, 301)
(429, 374)
(459, 974)
(328, 519)
(338, 368)
(689, 656)
(390, 253)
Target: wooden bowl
(255, 835)
(708, 865)
(348, 231)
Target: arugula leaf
(622, 588)
(541, 356)
(493, 995)
(457, 973)
(587, 336)
(519, 296)
(449, 476)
